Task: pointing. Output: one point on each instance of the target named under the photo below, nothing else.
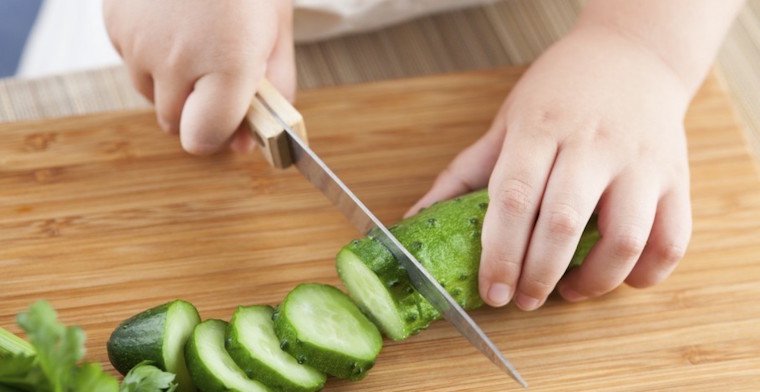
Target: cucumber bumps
(157, 335)
(320, 326)
(445, 238)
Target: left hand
(595, 124)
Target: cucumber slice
(210, 365)
(252, 343)
(320, 326)
(382, 290)
(445, 238)
(157, 335)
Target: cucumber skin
(139, 338)
(202, 379)
(450, 231)
(312, 355)
(254, 368)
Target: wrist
(627, 45)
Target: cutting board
(105, 216)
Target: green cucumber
(445, 238)
(320, 326)
(211, 367)
(157, 335)
(252, 343)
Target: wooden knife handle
(269, 133)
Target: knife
(279, 130)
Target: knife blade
(316, 171)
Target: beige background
(510, 32)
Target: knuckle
(536, 286)
(564, 222)
(627, 244)
(513, 198)
(450, 175)
(502, 267)
(670, 253)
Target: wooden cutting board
(105, 216)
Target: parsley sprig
(52, 360)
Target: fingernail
(498, 294)
(526, 302)
(570, 294)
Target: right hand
(200, 62)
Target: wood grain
(105, 216)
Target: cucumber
(320, 326)
(211, 367)
(157, 335)
(252, 343)
(445, 238)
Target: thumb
(280, 71)
(469, 171)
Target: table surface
(105, 216)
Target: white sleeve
(67, 36)
(319, 19)
(71, 35)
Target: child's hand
(200, 61)
(595, 123)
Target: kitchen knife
(279, 129)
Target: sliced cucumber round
(321, 327)
(383, 290)
(252, 343)
(211, 367)
(157, 335)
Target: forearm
(684, 34)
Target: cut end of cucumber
(370, 294)
(181, 319)
(211, 367)
(322, 327)
(252, 343)
(325, 316)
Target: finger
(280, 71)
(142, 81)
(242, 142)
(626, 215)
(572, 192)
(170, 94)
(515, 190)
(281, 66)
(467, 172)
(214, 110)
(667, 242)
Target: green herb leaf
(12, 344)
(147, 378)
(90, 378)
(58, 351)
(20, 372)
(51, 363)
